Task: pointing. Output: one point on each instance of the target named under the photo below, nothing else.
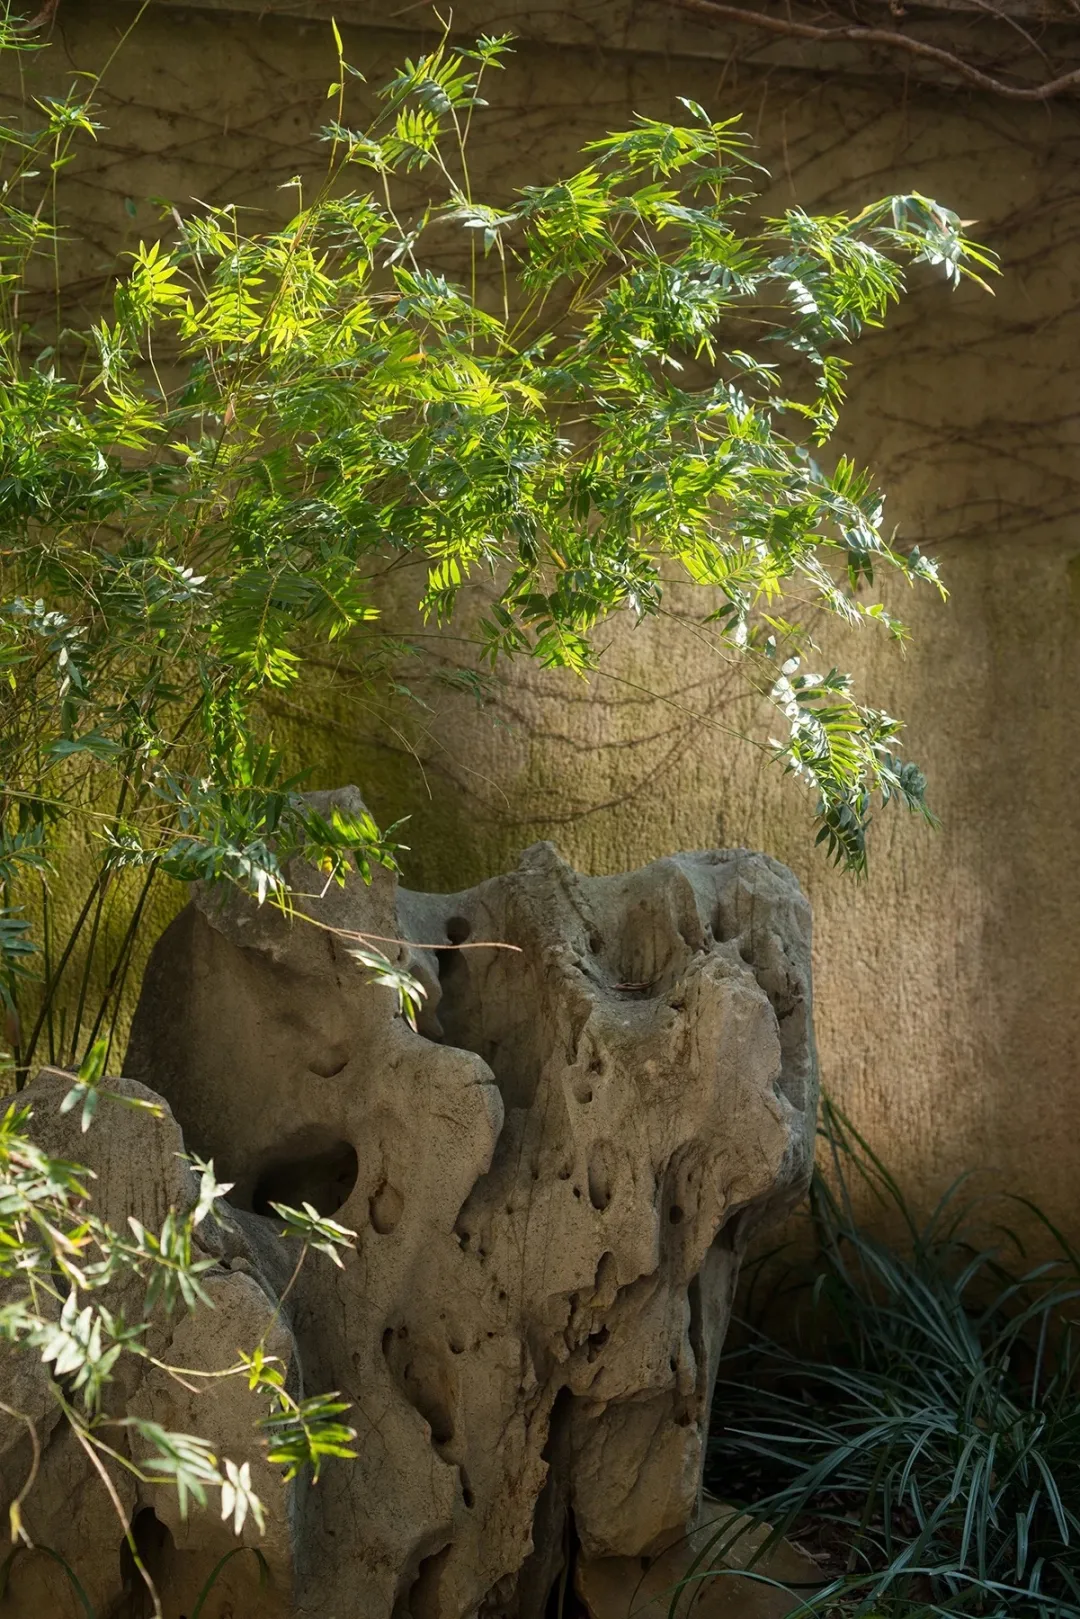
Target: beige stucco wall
(947, 1010)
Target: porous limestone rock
(136, 1160)
(724, 1569)
(552, 1181)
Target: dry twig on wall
(886, 38)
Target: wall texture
(947, 1014)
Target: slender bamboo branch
(122, 965)
(23, 1070)
(88, 1446)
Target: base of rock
(777, 1586)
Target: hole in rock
(320, 1173)
(582, 1083)
(424, 1597)
(329, 1064)
(452, 963)
(600, 1176)
(421, 1600)
(758, 949)
(694, 1326)
(466, 1489)
(675, 1214)
(429, 1401)
(596, 1342)
(723, 929)
(421, 1376)
(154, 1544)
(385, 1208)
(607, 1275)
(492, 1001)
(596, 943)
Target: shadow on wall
(948, 1020)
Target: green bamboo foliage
(197, 493)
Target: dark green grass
(919, 1427)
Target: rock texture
(139, 1169)
(552, 1182)
(718, 1571)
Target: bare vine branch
(891, 39)
(45, 15)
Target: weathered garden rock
(701, 1574)
(135, 1157)
(552, 1184)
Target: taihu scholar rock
(552, 1182)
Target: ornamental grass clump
(920, 1431)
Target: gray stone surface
(552, 1182)
(721, 1570)
(138, 1169)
